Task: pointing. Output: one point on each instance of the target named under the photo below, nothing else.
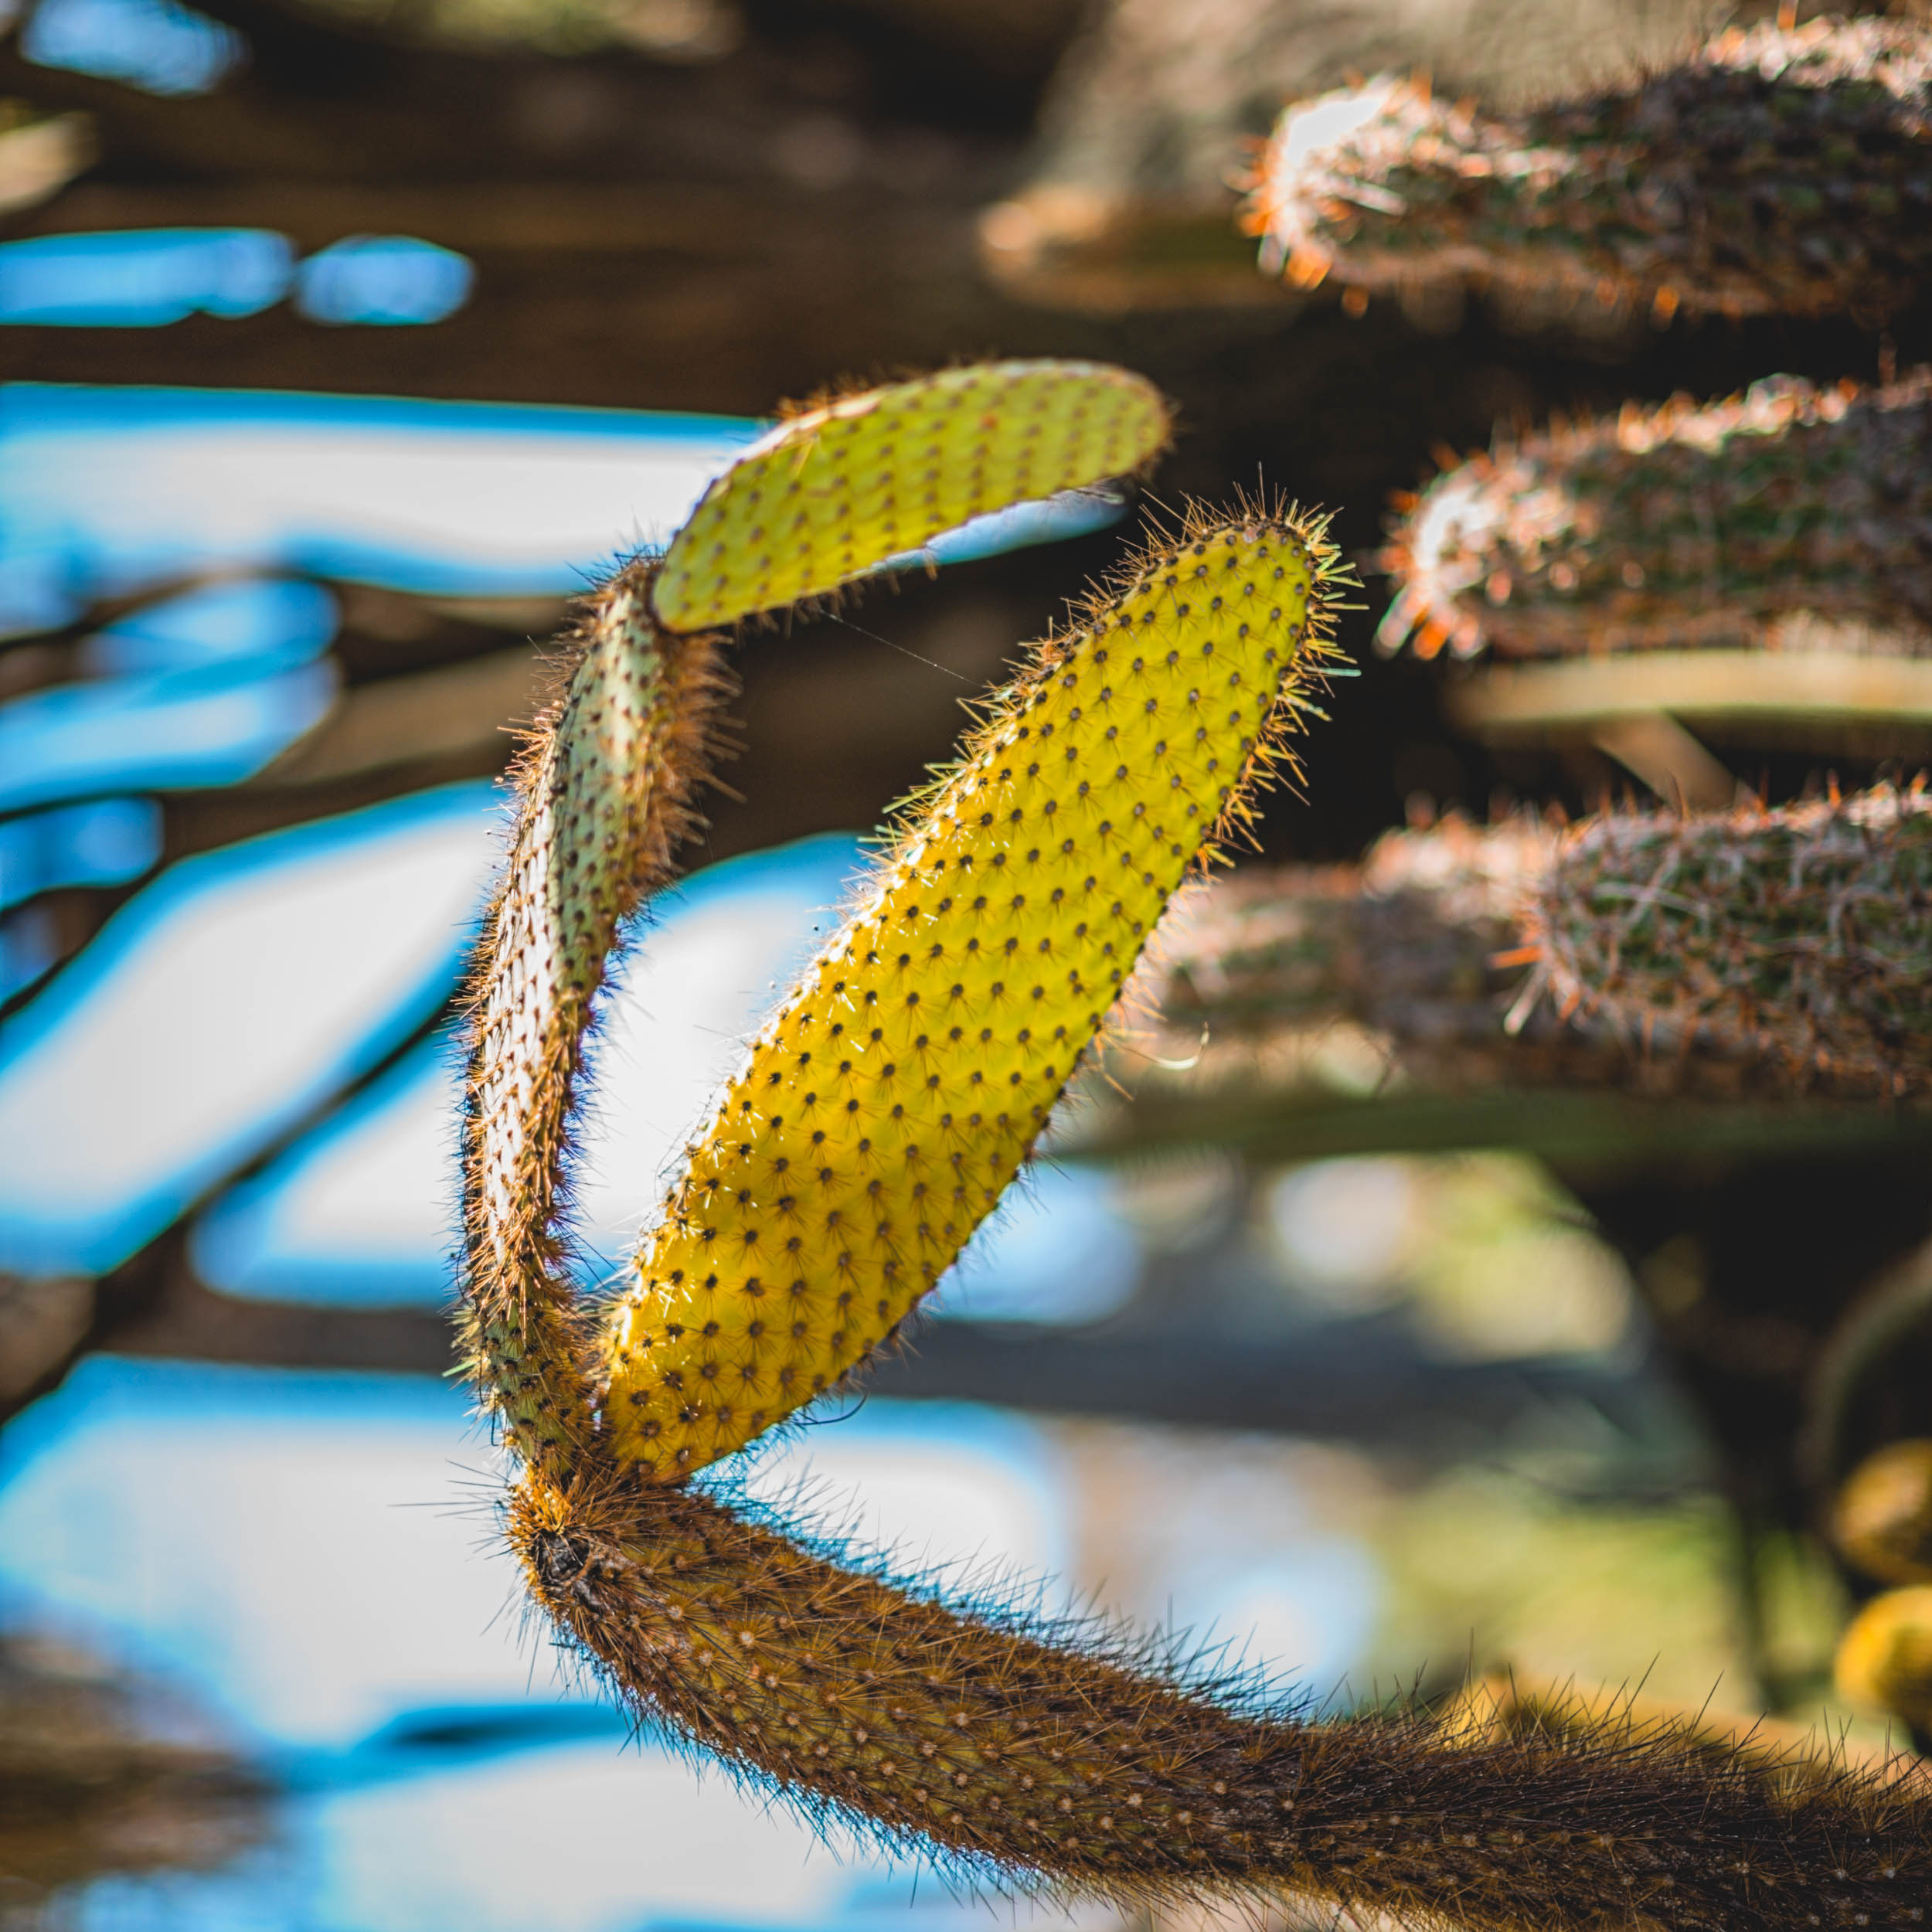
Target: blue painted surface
(105, 843)
(142, 278)
(283, 618)
(239, 990)
(362, 1211)
(154, 45)
(383, 281)
(172, 730)
(108, 491)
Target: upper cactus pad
(838, 490)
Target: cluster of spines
(1682, 526)
(882, 1114)
(1801, 935)
(1780, 169)
(1792, 965)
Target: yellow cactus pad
(836, 491)
(882, 1111)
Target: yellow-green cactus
(1882, 1516)
(883, 1111)
(608, 786)
(837, 488)
(956, 1728)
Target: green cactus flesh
(1784, 170)
(606, 792)
(1679, 526)
(1803, 935)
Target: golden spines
(884, 1110)
(1063, 1754)
(604, 795)
(838, 489)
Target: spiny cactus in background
(1783, 170)
(1678, 526)
(877, 1118)
(1762, 953)
(1802, 937)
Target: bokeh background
(341, 342)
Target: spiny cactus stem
(1068, 1757)
(606, 792)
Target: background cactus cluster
(1773, 952)
(1781, 170)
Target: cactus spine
(1677, 526)
(1781, 170)
(882, 1112)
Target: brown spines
(604, 794)
(1098, 1769)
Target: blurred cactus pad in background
(1781, 170)
(1680, 526)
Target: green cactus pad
(1679, 526)
(838, 490)
(1779, 170)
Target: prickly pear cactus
(1783, 170)
(840, 486)
(1802, 935)
(885, 1109)
(876, 1119)
(1677, 526)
